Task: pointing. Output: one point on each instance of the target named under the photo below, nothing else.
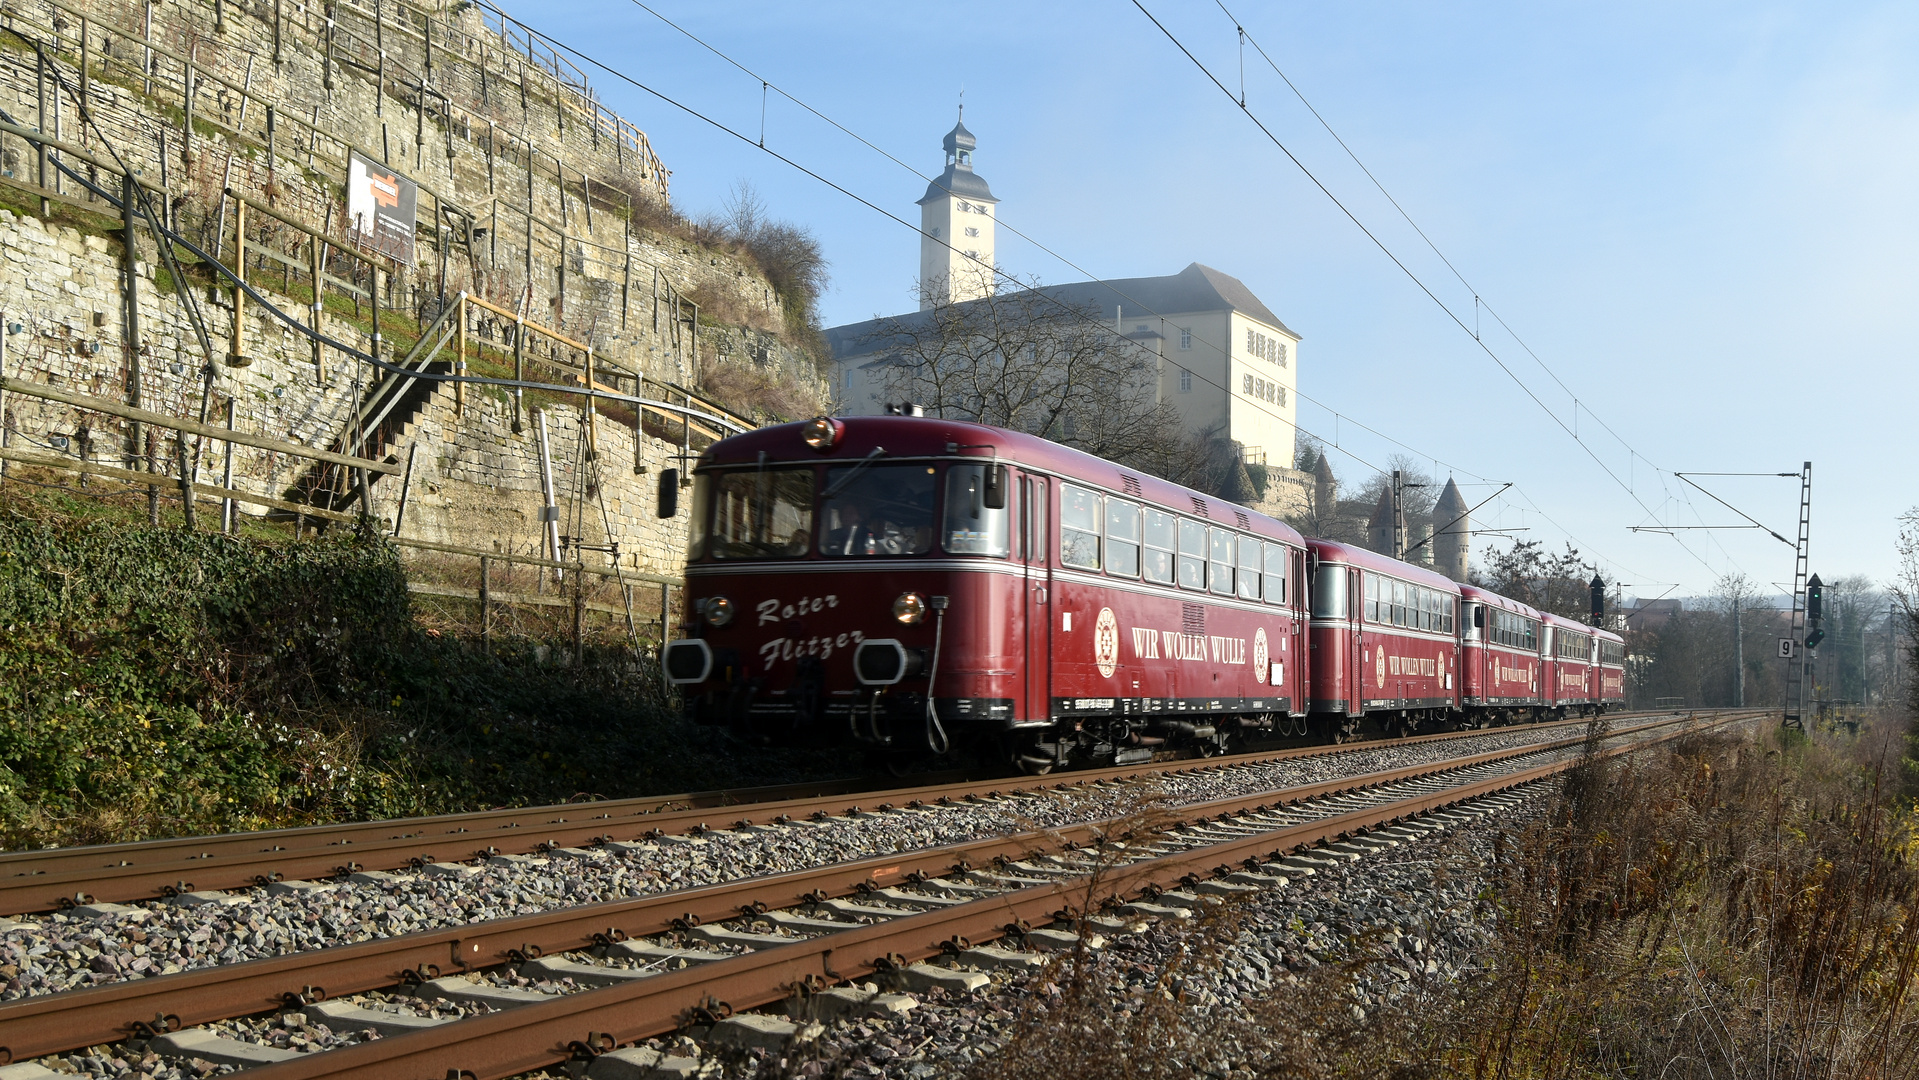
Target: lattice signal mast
(1798, 673)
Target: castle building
(1225, 360)
(1452, 533)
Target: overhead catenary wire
(1420, 283)
(995, 272)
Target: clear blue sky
(1700, 216)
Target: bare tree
(1528, 573)
(1031, 361)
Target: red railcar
(910, 583)
(1384, 640)
(1571, 685)
(1612, 669)
(1502, 641)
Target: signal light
(1815, 600)
(1813, 639)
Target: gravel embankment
(53, 953)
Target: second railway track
(860, 917)
(55, 879)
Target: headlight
(717, 611)
(910, 608)
(822, 433)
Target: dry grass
(1728, 906)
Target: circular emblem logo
(1106, 643)
(1380, 666)
(1260, 656)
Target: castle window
(1246, 384)
(1186, 338)
(1185, 381)
(936, 232)
(972, 232)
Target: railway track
(88, 877)
(660, 962)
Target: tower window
(1185, 381)
(972, 254)
(1186, 338)
(936, 232)
(1245, 384)
(972, 232)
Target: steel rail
(51, 879)
(54, 1023)
(520, 1040)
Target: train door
(1355, 651)
(1299, 665)
(1038, 603)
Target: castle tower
(1325, 491)
(1379, 531)
(1452, 539)
(956, 228)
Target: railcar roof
(1474, 592)
(929, 436)
(1564, 622)
(1353, 555)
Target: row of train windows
(1101, 532)
(1572, 646)
(1395, 603)
(1515, 631)
(1612, 653)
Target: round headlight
(910, 608)
(717, 611)
(822, 433)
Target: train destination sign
(380, 208)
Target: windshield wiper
(840, 485)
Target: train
(917, 586)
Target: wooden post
(236, 352)
(131, 296)
(519, 363)
(319, 279)
(326, 64)
(228, 508)
(40, 125)
(486, 606)
(186, 482)
(406, 487)
(592, 427)
(86, 65)
(459, 365)
(186, 125)
(666, 605)
(579, 612)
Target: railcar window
(1612, 653)
(1192, 554)
(1329, 593)
(1432, 610)
(1372, 598)
(1122, 537)
(696, 524)
(1078, 527)
(762, 514)
(1250, 562)
(1220, 573)
(880, 510)
(1399, 603)
(1447, 605)
(1162, 541)
(1275, 573)
(972, 527)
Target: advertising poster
(380, 208)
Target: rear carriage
(1501, 640)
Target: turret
(1452, 534)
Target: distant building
(1225, 359)
(1652, 614)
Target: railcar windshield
(760, 514)
(881, 510)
